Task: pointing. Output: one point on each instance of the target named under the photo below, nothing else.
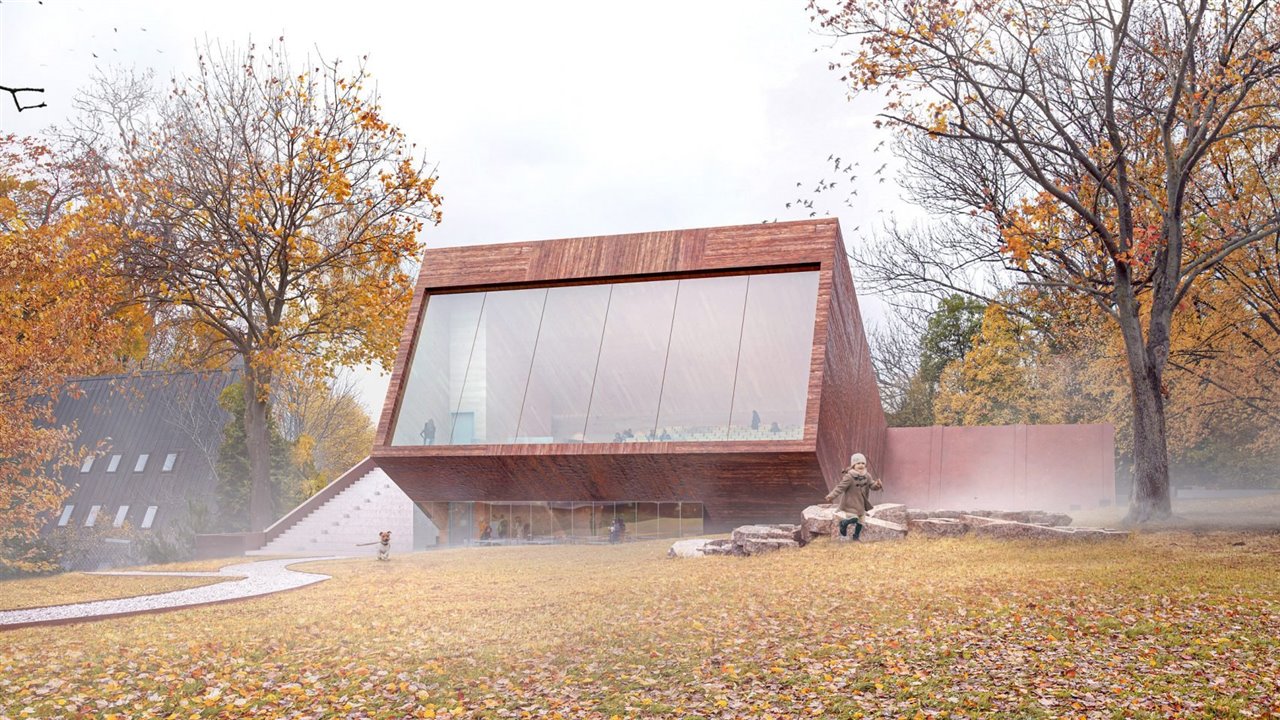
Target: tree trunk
(1149, 499)
(255, 428)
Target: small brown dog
(384, 545)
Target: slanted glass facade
(698, 359)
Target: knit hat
(857, 458)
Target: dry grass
(1171, 624)
(80, 587)
(1246, 514)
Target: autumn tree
(328, 429)
(1107, 148)
(912, 355)
(57, 320)
(273, 211)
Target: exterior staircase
(354, 515)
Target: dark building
(155, 438)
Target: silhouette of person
(774, 427)
(755, 420)
(429, 432)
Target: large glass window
(499, 368)
(439, 370)
(698, 359)
(698, 389)
(772, 387)
(564, 365)
(633, 355)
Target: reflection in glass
(438, 371)
(698, 390)
(633, 353)
(700, 359)
(564, 365)
(772, 387)
(499, 366)
(531, 522)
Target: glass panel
(772, 386)
(141, 464)
(150, 517)
(87, 465)
(646, 525)
(564, 365)
(633, 354)
(499, 368)
(669, 519)
(92, 517)
(169, 461)
(698, 390)
(121, 514)
(691, 518)
(113, 463)
(438, 370)
(460, 522)
(66, 515)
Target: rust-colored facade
(1002, 467)
(480, 421)
(736, 480)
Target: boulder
(762, 532)
(1010, 530)
(893, 512)
(759, 546)
(688, 548)
(877, 530)
(937, 527)
(819, 520)
(723, 546)
(1039, 517)
(757, 539)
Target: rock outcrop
(892, 521)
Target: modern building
(680, 382)
(153, 440)
(683, 381)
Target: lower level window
(149, 519)
(65, 517)
(92, 517)
(463, 523)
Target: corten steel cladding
(761, 479)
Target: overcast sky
(547, 118)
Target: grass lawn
(79, 587)
(1166, 624)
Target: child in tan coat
(854, 493)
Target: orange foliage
(56, 321)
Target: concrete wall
(1003, 467)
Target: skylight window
(169, 461)
(113, 464)
(142, 463)
(87, 465)
(93, 516)
(121, 514)
(65, 517)
(149, 519)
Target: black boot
(857, 528)
(844, 526)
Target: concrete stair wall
(356, 515)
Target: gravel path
(258, 578)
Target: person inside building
(852, 495)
